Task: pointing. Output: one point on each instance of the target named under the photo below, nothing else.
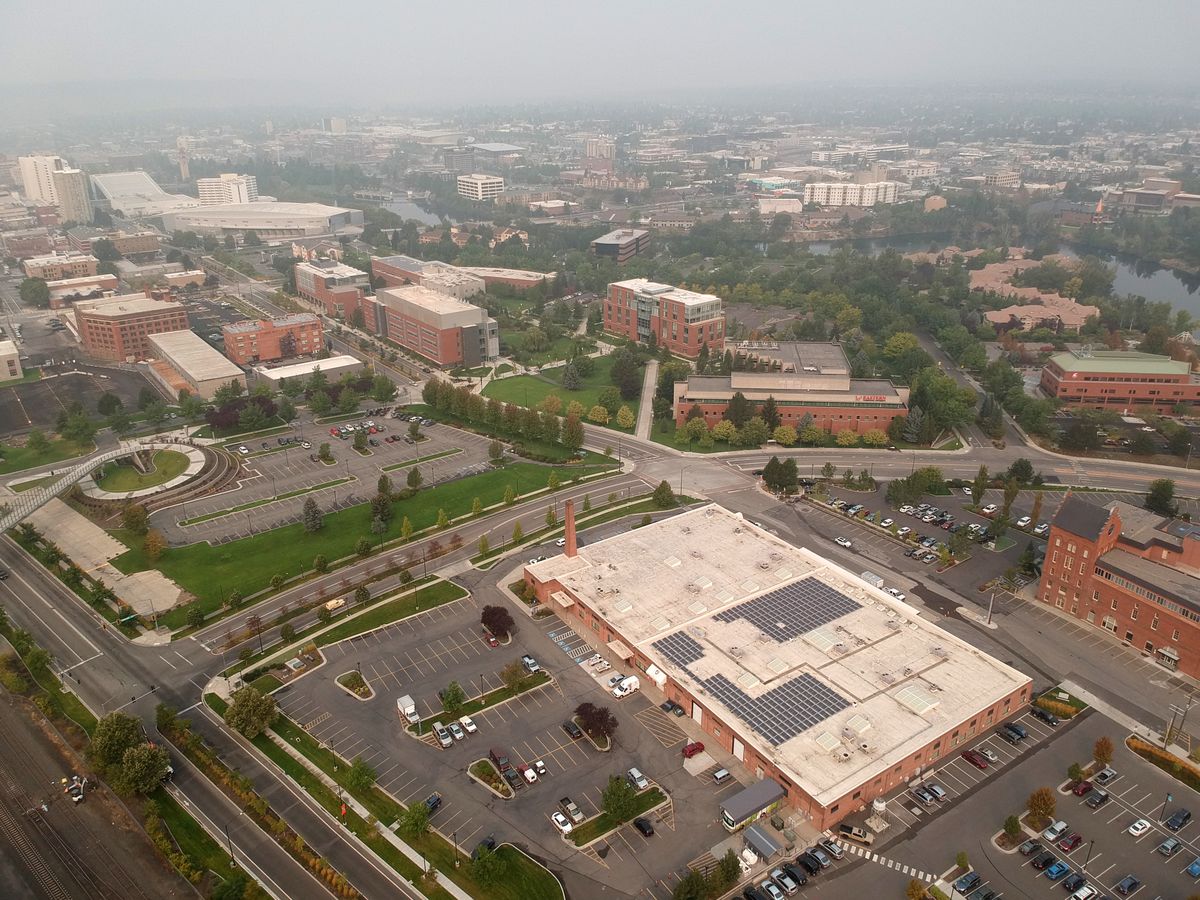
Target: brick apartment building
(804, 378)
(682, 320)
(60, 265)
(441, 328)
(119, 328)
(1120, 380)
(269, 340)
(340, 289)
(1131, 573)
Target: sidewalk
(646, 411)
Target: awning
(623, 653)
(562, 599)
(761, 842)
(1168, 652)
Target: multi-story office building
(10, 361)
(298, 334)
(459, 159)
(227, 188)
(480, 187)
(847, 193)
(130, 244)
(340, 289)
(622, 245)
(183, 361)
(37, 177)
(796, 667)
(60, 265)
(119, 328)
(1130, 573)
(1120, 380)
(804, 379)
(444, 330)
(682, 320)
(74, 195)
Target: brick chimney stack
(571, 548)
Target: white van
(335, 603)
(721, 776)
(628, 686)
(443, 736)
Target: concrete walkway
(646, 411)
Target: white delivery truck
(407, 709)
(627, 686)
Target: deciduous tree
(251, 711)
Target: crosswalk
(909, 871)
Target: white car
(306, 445)
(1140, 827)
(1024, 522)
(907, 510)
(455, 731)
(529, 775)
(561, 542)
(967, 491)
(244, 450)
(468, 724)
(899, 595)
(843, 542)
(904, 532)
(1042, 528)
(637, 779)
(989, 509)
(561, 823)
(887, 523)
(989, 754)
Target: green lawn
(512, 342)
(121, 477)
(212, 572)
(529, 390)
(195, 520)
(14, 459)
(195, 843)
(420, 459)
(35, 483)
(393, 611)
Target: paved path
(646, 410)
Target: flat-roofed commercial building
(437, 276)
(804, 672)
(337, 287)
(10, 361)
(682, 320)
(127, 243)
(66, 291)
(270, 220)
(137, 195)
(444, 330)
(334, 368)
(804, 378)
(183, 359)
(1120, 380)
(60, 265)
(268, 340)
(622, 245)
(1129, 572)
(480, 187)
(120, 328)
(400, 270)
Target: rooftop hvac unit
(839, 647)
(893, 624)
(907, 671)
(737, 530)
(776, 555)
(865, 746)
(764, 566)
(736, 652)
(696, 554)
(696, 631)
(941, 651)
(842, 756)
(888, 678)
(693, 589)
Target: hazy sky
(418, 52)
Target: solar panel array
(792, 610)
(680, 648)
(784, 711)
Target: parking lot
(37, 404)
(271, 469)
(1104, 856)
(421, 655)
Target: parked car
(529, 775)
(690, 750)
(1086, 892)
(433, 801)
(809, 863)
(572, 730)
(1073, 882)
(530, 664)
(642, 824)
(1045, 715)
(822, 857)
(975, 758)
(939, 792)
(843, 542)
(899, 595)
(561, 823)
(1169, 847)
(1097, 798)
(1178, 819)
(1057, 871)
(1140, 827)
(1030, 847)
(1104, 776)
(637, 779)
(1024, 522)
(1017, 729)
(1055, 831)
(785, 881)
(796, 873)
(1084, 787)
(1194, 868)
(988, 510)
(468, 724)
(989, 754)
(887, 523)
(1128, 885)
(1044, 859)
(1041, 528)
(771, 889)
(1070, 842)
(456, 731)
(923, 795)
(832, 847)
(967, 882)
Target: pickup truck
(574, 813)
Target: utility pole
(991, 603)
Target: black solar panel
(784, 711)
(680, 648)
(792, 610)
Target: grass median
(408, 464)
(254, 504)
(16, 459)
(604, 823)
(491, 698)
(212, 572)
(530, 390)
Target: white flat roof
(193, 356)
(832, 679)
(306, 368)
(126, 304)
(655, 289)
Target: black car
(1048, 717)
(433, 801)
(3, 574)
(643, 825)
(797, 874)
(1042, 860)
(1005, 735)
(1017, 729)
(1128, 885)
(572, 730)
(808, 863)
(489, 842)
(753, 893)
(1073, 882)
(983, 893)
(1178, 819)
(1030, 847)
(1097, 798)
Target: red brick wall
(1161, 394)
(442, 347)
(828, 418)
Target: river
(406, 209)
(1133, 276)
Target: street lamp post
(229, 842)
(455, 838)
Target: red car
(1070, 842)
(333, 431)
(975, 758)
(692, 749)
(1084, 787)
(491, 639)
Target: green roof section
(1121, 362)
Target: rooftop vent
(843, 756)
(696, 631)
(865, 746)
(764, 566)
(696, 554)
(776, 555)
(887, 678)
(839, 648)
(697, 608)
(893, 624)
(941, 651)
(736, 652)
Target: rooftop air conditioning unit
(843, 756)
(764, 566)
(696, 554)
(941, 651)
(735, 652)
(907, 671)
(893, 624)
(865, 746)
(839, 647)
(888, 678)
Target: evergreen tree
(914, 427)
(313, 519)
(770, 413)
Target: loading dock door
(697, 712)
(739, 750)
